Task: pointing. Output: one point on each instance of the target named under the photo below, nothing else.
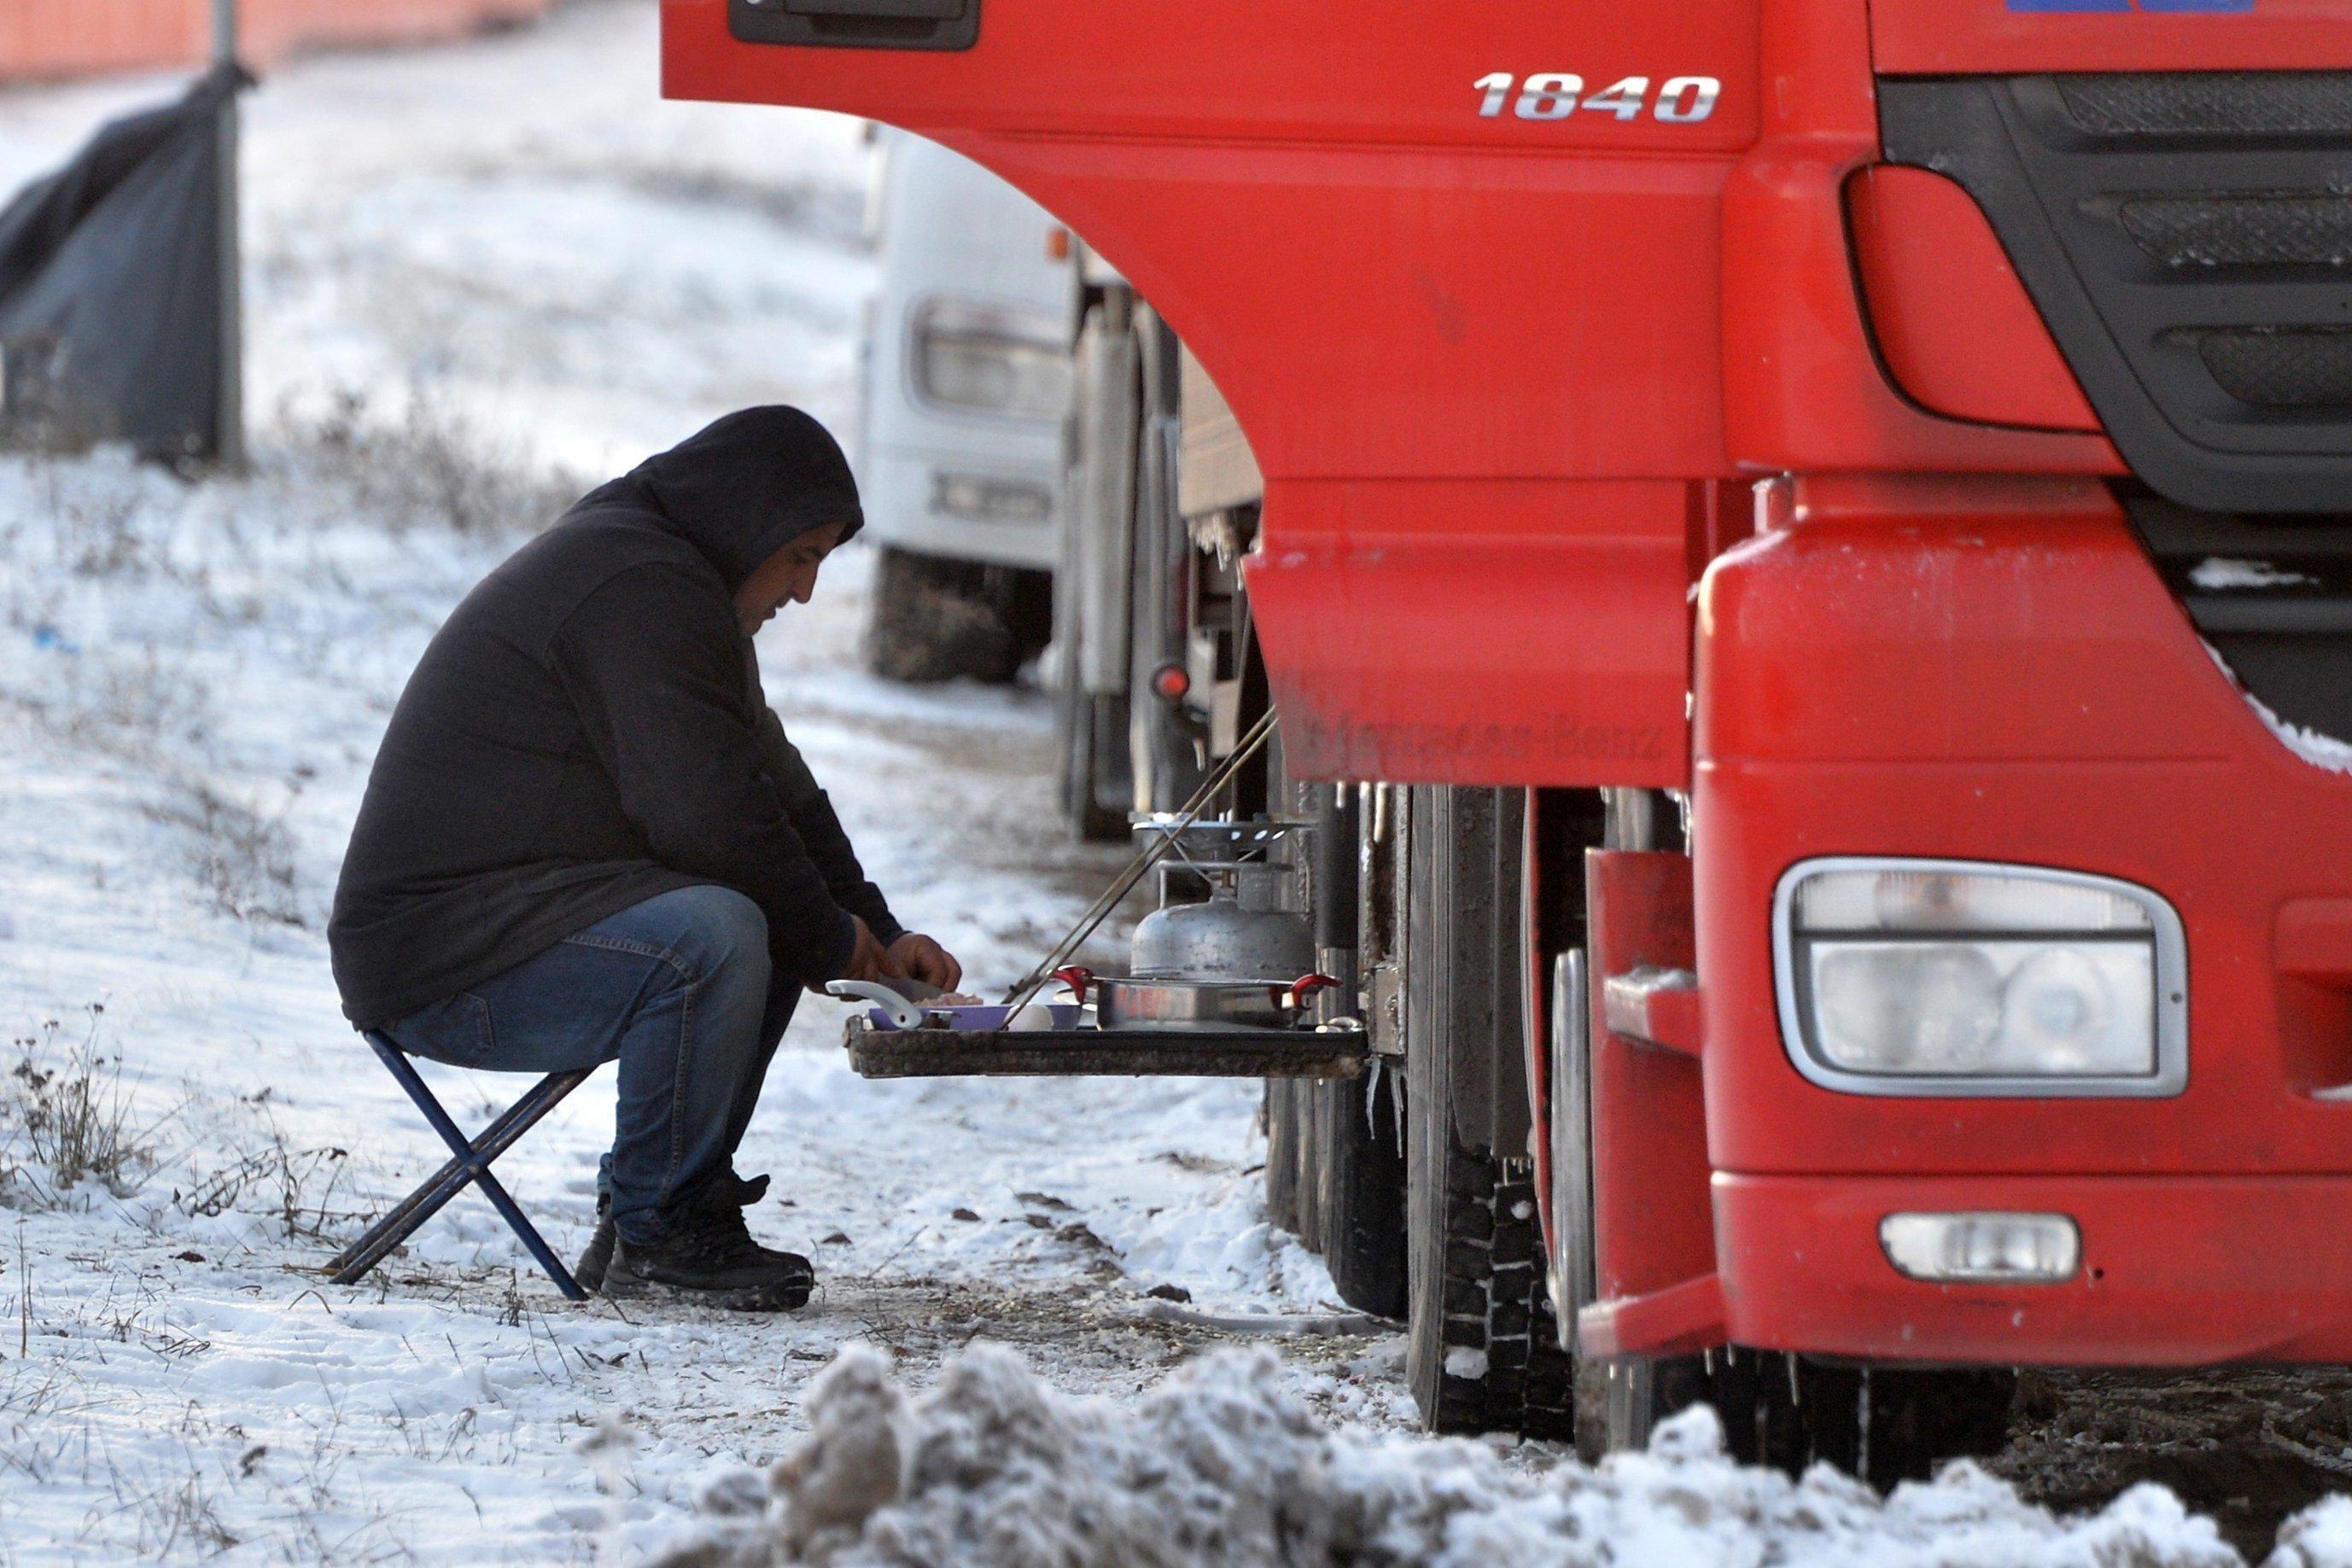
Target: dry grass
(429, 467)
(129, 708)
(65, 1118)
(242, 860)
(271, 1176)
(99, 531)
(103, 513)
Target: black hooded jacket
(586, 731)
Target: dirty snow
(472, 267)
(1223, 1467)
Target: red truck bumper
(1994, 671)
(2176, 1270)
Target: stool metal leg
(497, 1193)
(488, 1144)
(469, 1166)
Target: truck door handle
(933, 10)
(857, 23)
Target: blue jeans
(679, 989)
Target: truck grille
(2280, 367)
(2271, 228)
(2188, 237)
(2209, 104)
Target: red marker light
(1057, 244)
(1171, 682)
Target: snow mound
(1219, 1468)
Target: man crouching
(586, 837)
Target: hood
(745, 485)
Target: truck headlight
(991, 358)
(1961, 978)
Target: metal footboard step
(1094, 1052)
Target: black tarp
(111, 287)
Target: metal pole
(232, 291)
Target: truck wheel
(1483, 1352)
(1637, 1392)
(1886, 1426)
(1334, 1178)
(1284, 1157)
(1087, 724)
(1360, 1185)
(1335, 1167)
(1620, 1401)
(936, 620)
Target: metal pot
(1242, 930)
(1222, 938)
(1122, 1002)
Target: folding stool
(469, 1164)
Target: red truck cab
(1915, 437)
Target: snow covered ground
(468, 262)
(472, 267)
(188, 709)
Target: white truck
(966, 384)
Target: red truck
(1809, 545)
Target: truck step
(1119, 1053)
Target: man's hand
(867, 960)
(916, 956)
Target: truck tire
(1163, 743)
(931, 619)
(1334, 1178)
(1335, 1163)
(1089, 730)
(1620, 1401)
(1483, 1352)
(1093, 583)
(1283, 1157)
(1637, 1392)
(1886, 1425)
(1360, 1188)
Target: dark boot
(709, 1256)
(590, 1269)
